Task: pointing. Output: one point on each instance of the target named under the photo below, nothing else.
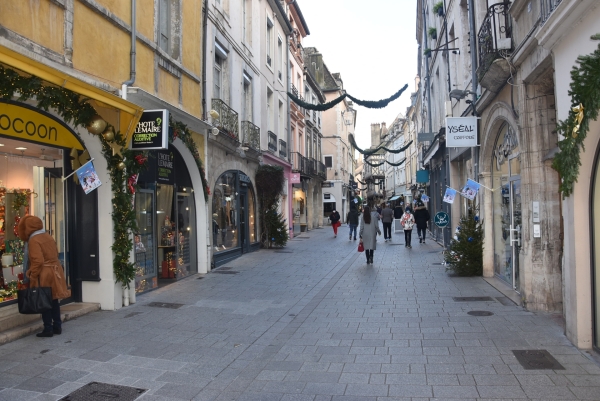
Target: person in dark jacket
(335, 222)
(398, 211)
(352, 220)
(387, 217)
(421, 218)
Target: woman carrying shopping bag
(407, 221)
(369, 229)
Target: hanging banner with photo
(88, 177)
(449, 195)
(424, 198)
(470, 190)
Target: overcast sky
(372, 45)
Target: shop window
(252, 216)
(329, 161)
(225, 213)
(169, 27)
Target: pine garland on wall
(585, 101)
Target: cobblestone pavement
(309, 322)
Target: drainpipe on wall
(289, 136)
(473, 42)
(131, 79)
(204, 117)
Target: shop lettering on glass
(164, 163)
(504, 149)
(152, 131)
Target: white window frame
(270, 39)
(218, 77)
(281, 62)
(270, 117)
(247, 109)
(164, 25)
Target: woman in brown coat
(43, 269)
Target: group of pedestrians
(369, 229)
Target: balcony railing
(295, 91)
(298, 163)
(228, 119)
(251, 135)
(547, 7)
(272, 142)
(495, 35)
(283, 149)
(321, 170)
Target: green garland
(74, 109)
(584, 90)
(369, 152)
(379, 104)
(385, 161)
(180, 130)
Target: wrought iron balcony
(321, 170)
(272, 142)
(495, 34)
(283, 153)
(295, 91)
(228, 119)
(251, 135)
(298, 163)
(547, 7)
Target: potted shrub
(438, 8)
(427, 52)
(432, 32)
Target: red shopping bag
(361, 247)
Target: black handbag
(33, 301)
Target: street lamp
(349, 116)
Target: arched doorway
(595, 246)
(507, 220)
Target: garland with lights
(371, 104)
(585, 92)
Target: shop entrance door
(145, 241)
(186, 234)
(508, 225)
(244, 221)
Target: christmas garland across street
(371, 104)
(369, 152)
(585, 101)
(385, 161)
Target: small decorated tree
(269, 186)
(465, 254)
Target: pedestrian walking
(407, 221)
(387, 217)
(398, 211)
(421, 219)
(352, 220)
(369, 229)
(335, 222)
(43, 269)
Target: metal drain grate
(480, 313)
(224, 272)
(437, 264)
(132, 314)
(165, 305)
(95, 391)
(537, 359)
(283, 251)
(472, 299)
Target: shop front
(234, 222)
(300, 205)
(38, 149)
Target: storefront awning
(129, 113)
(393, 198)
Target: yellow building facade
(123, 57)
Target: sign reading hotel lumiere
(25, 122)
(461, 132)
(152, 131)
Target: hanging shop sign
(461, 132)
(441, 219)
(326, 184)
(295, 178)
(24, 122)
(152, 131)
(165, 167)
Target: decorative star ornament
(116, 148)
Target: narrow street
(310, 322)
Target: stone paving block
(324, 388)
(412, 391)
(362, 368)
(178, 391)
(458, 392)
(367, 390)
(511, 392)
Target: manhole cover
(95, 391)
(132, 314)
(224, 272)
(165, 305)
(480, 313)
(472, 299)
(537, 359)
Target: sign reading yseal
(441, 219)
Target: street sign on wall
(461, 132)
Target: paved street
(311, 322)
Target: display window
(300, 212)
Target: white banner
(461, 132)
